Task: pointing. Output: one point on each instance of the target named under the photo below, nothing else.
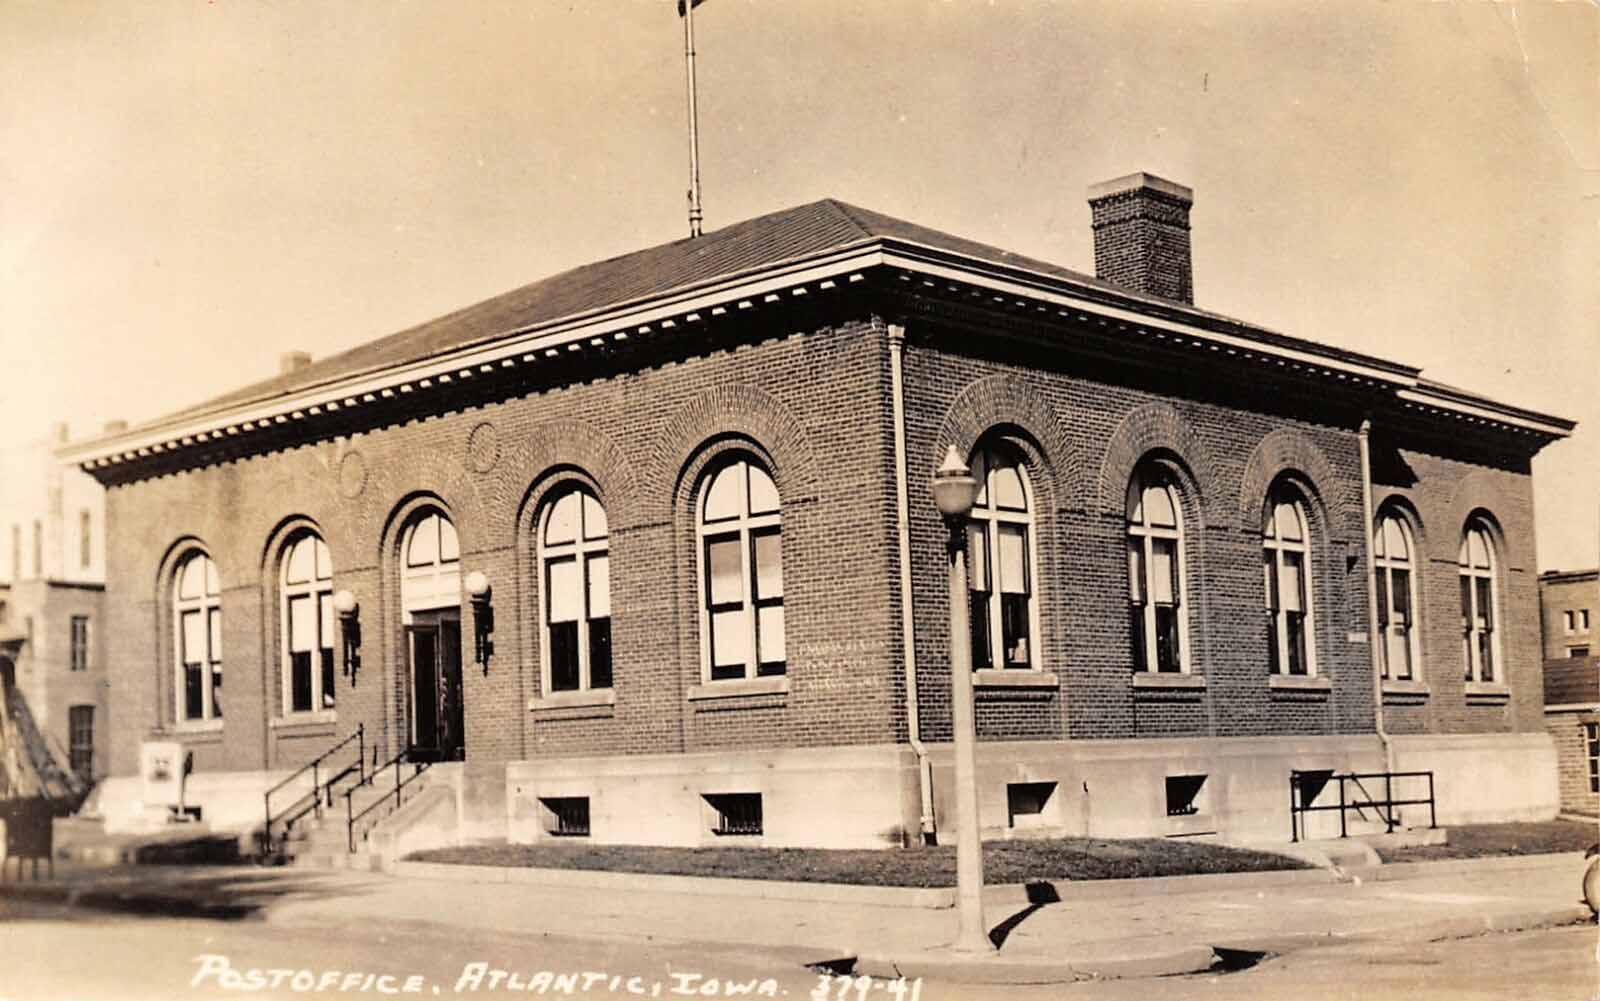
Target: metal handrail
(299, 807)
(1384, 807)
(352, 818)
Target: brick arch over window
(526, 468)
(1476, 495)
(998, 404)
(392, 486)
(736, 410)
(1289, 451)
(1156, 428)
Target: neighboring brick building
(1572, 715)
(694, 480)
(1569, 603)
(52, 583)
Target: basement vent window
(566, 816)
(1183, 794)
(1026, 802)
(737, 813)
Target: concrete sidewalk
(1095, 933)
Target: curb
(1444, 867)
(997, 969)
(130, 901)
(1149, 886)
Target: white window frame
(1477, 625)
(1277, 547)
(1569, 622)
(1143, 532)
(988, 516)
(313, 589)
(581, 550)
(746, 527)
(1385, 564)
(208, 601)
(432, 585)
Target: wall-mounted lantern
(482, 618)
(350, 628)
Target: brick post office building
(690, 486)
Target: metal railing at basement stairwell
(352, 818)
(1300, 804)
(321, 792)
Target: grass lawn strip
(1004, 861)
(1487, 840)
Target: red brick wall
(1572, 757)
(814, 406)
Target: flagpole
(694, 126)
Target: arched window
(575, 576)
(1395, 584)
(999, 550)
(1286, 562)
(1155, 573)
(430, 573)
(1478, 640)
(197, 622)
(306, 607)
(741, 566)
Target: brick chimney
(293, 361)
(1141, 235)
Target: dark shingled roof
(1571, 680)
(791, 234)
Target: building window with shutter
(1286, 567)
(1155, 573)
(1394, 580)
(1000, 560)
(1476, 571)
(80, 643)
(307, 625)
(575, 578)
(740, 532)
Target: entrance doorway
(437, 719)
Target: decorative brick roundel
(352, 474)
(483, 448)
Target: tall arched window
(575, 576)
(1478, 640)
(197, 630)
(1395, 584)
(1000, 552)
(1286, 562)
(741, 565)
(306, 607)
(1155, 573)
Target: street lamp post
(954, 492)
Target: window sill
(1406, 688)
(731, 689)
(196, 727)
(576, 699)
(1488, 691)
(990, 678)
(1147, 679)
(317, 718)
(1300, 682)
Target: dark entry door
(438, 731)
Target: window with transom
(1155, 573)
(1000, 554)
(1394, 581)
(740, 529)
(306, 607)
(197, 619)
(1476, 572)
(1286, 563)
(575, 577)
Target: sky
(189, 188)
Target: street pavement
(1100, 934)
(57, 953)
